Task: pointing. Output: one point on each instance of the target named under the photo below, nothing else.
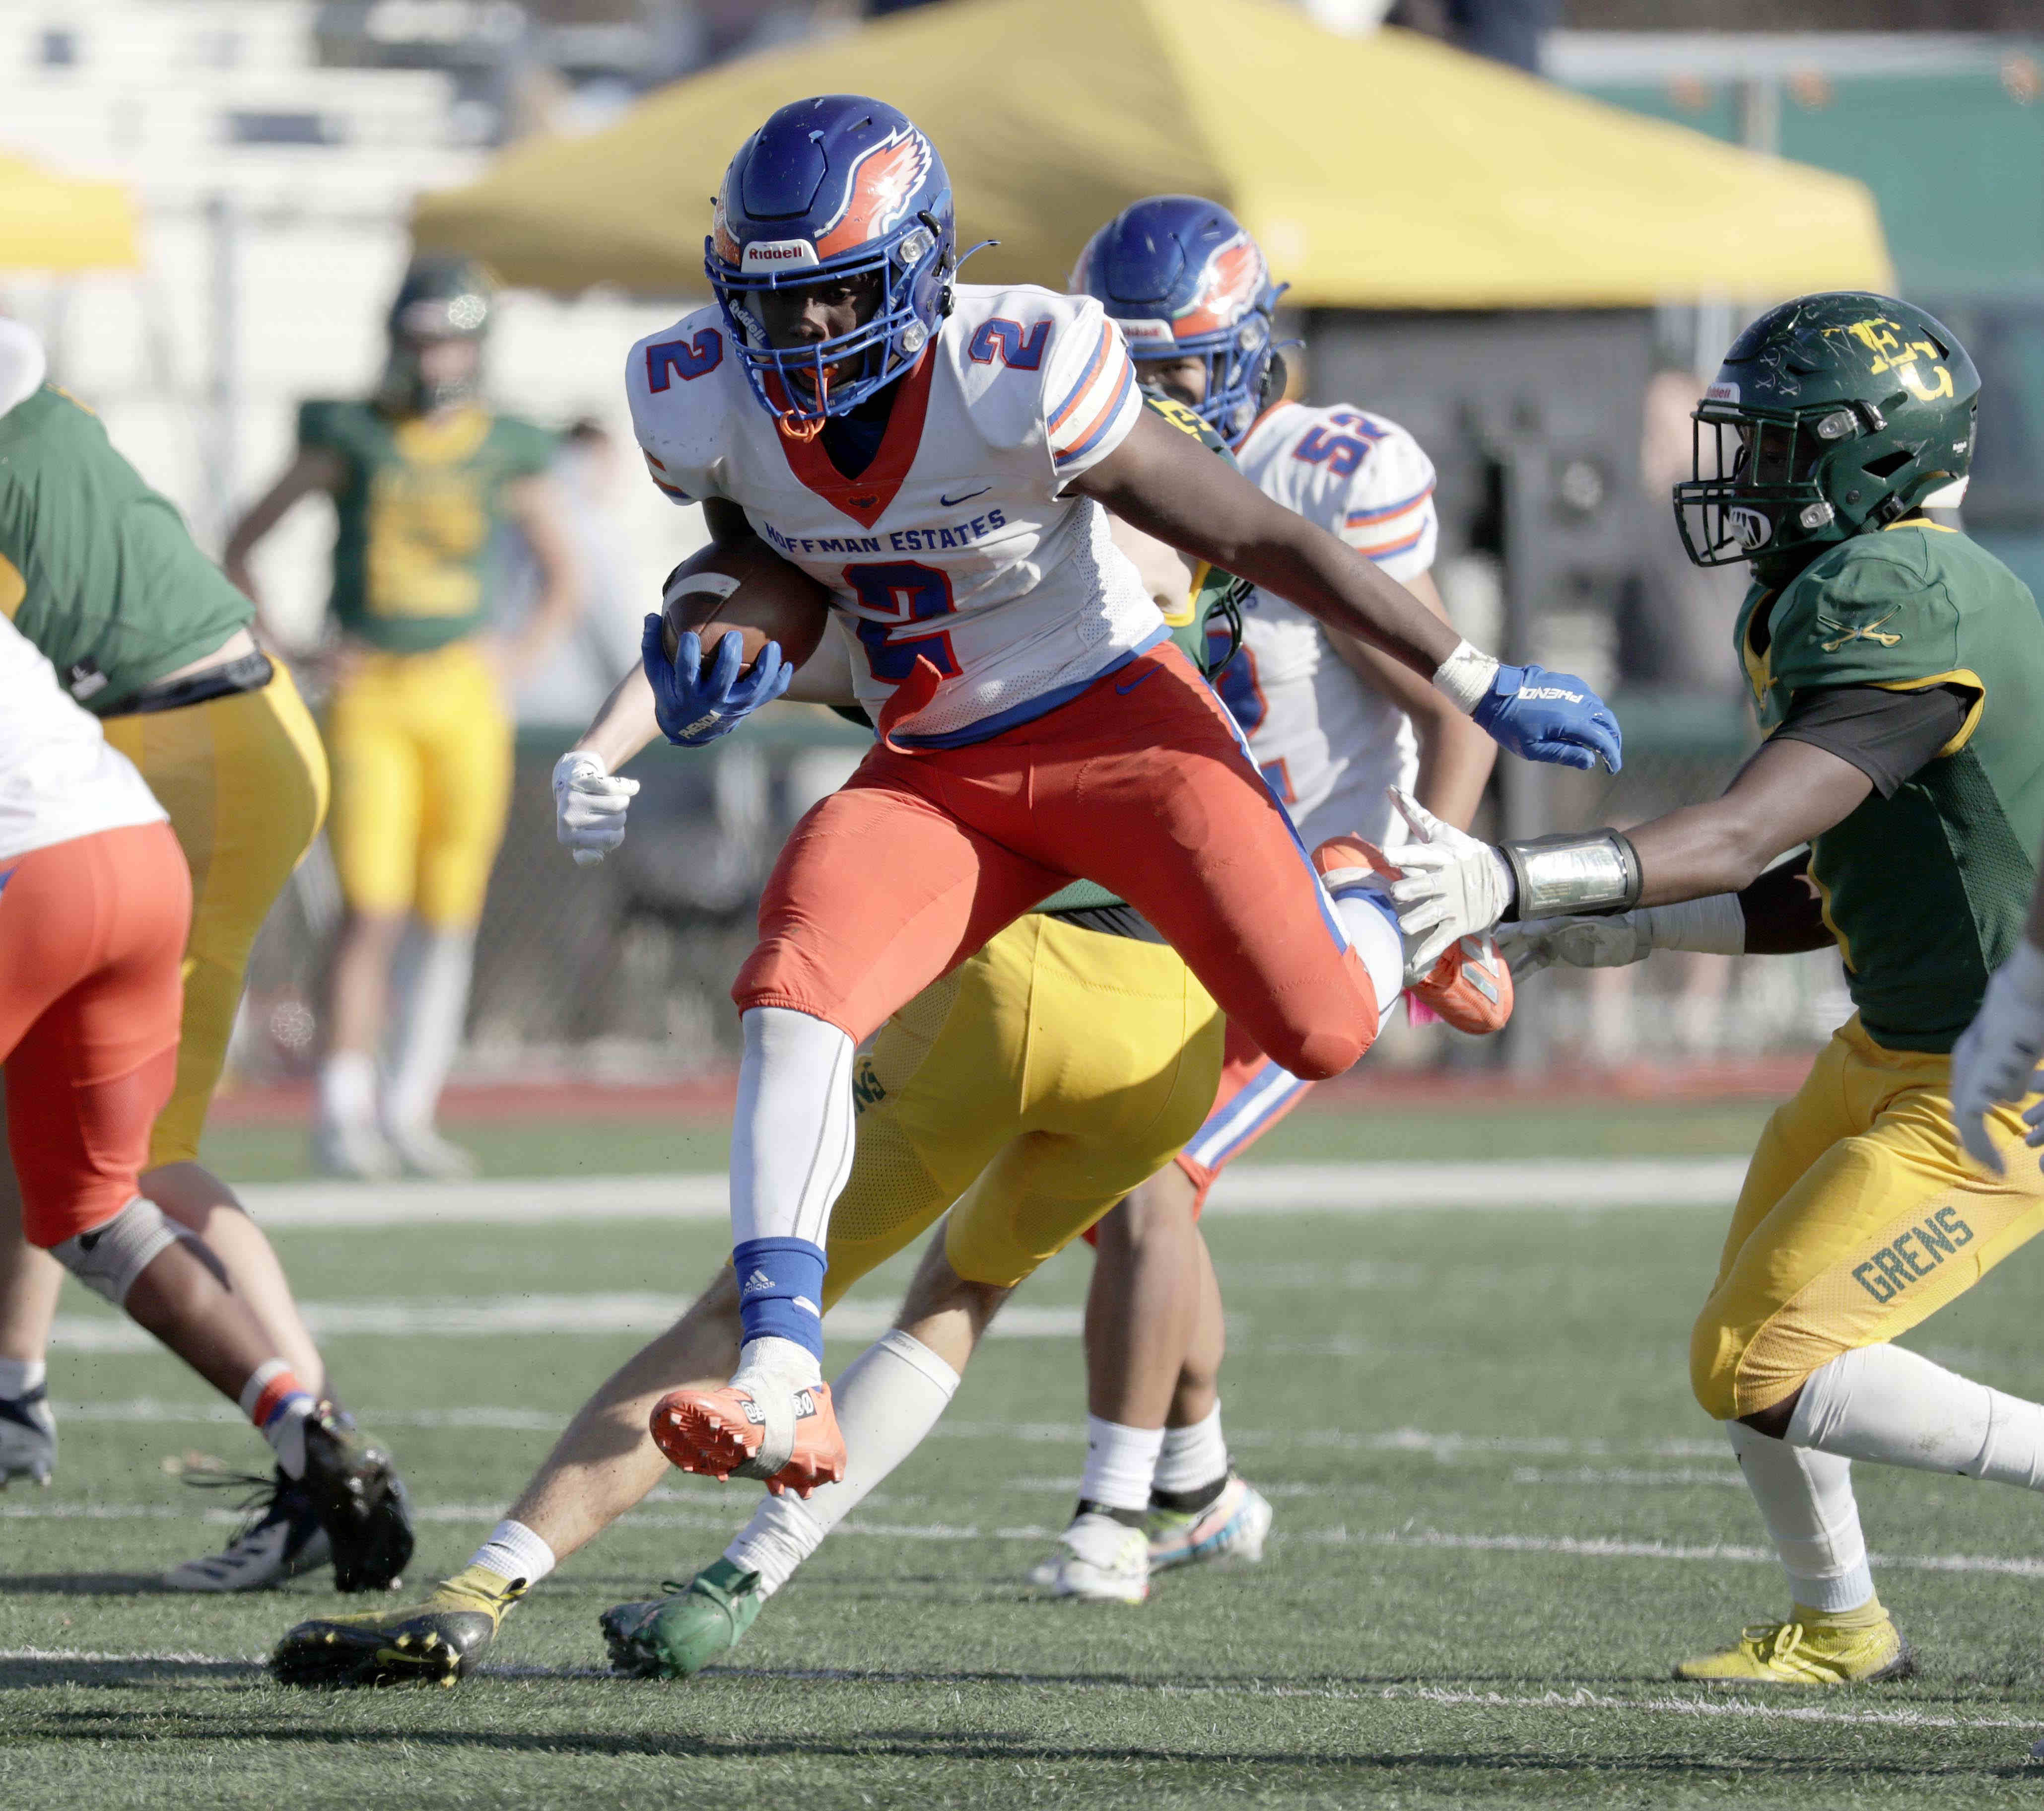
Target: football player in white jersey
(95, 903)
(943, 457)
(1333, 725)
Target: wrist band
(1596, 872)
(1466, 676)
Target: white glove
(1614, 942)
(1453, 887)
(589, 804)
(1996, 1059)
(1714, 924)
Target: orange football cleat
(730, 1432)
(1470, 986)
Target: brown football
(744, 586)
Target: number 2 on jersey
(903, 591)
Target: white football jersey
(1330, 744)
(59, 779)
(958, 543)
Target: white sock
(1378, 943)
(791, 1139)
(429, 982)
(19, 1376)
(1192, 1458)
(1885, 1404)
(888, 1399)
(1806, 1500)
(347, 1089)
(1119, 1464)
(513, 1551)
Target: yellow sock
(1869, 1615)
(473, 1581)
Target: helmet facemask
(1763, 483)
(805, 385)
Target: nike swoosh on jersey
(1138, 680)
(963, 497)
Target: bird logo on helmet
(443, 296)
(1832, 416)
(1184, 279)
(835, 186)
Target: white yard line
(1420, 1540)
(1447, 1447)
(1539, 1184)
(1899, 1718)
(468, 1317)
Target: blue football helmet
(837, 186)
(1183, 278)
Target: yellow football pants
(245, 781)
(1862, 1215)
(422, 752)
(1034, 1087)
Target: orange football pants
(1140, 783)
(92, 940)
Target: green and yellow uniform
(1042, 1079)
(1860, 1213)
(418, 729)
(100, 573)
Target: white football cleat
(357, 1151)
(281, 1539)
(1098, 1559)
(424, 1152)
(1232, 1527)
(27, 1437)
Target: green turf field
(1500, 1520)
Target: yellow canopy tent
(60, 223)
(1388, 171)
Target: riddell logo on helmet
(766, 254)
(1722, 393)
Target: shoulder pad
(1864, 613)
(1187, 421)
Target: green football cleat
(675, 1637)
(434, 1642)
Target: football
(747, 587)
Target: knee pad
(109, 1258)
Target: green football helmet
(1832, 415)
(443, 297)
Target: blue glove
(1550, 717)
(692, 706)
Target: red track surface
(1769, 1078)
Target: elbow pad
(1553, 876)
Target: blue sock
(780, 1290)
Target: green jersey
(420, 499)
(96, 569)
(1925, 890)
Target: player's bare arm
(1788, 793)
(1169, 486)
(313, 468)
(1455, 757)
(536, 506)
